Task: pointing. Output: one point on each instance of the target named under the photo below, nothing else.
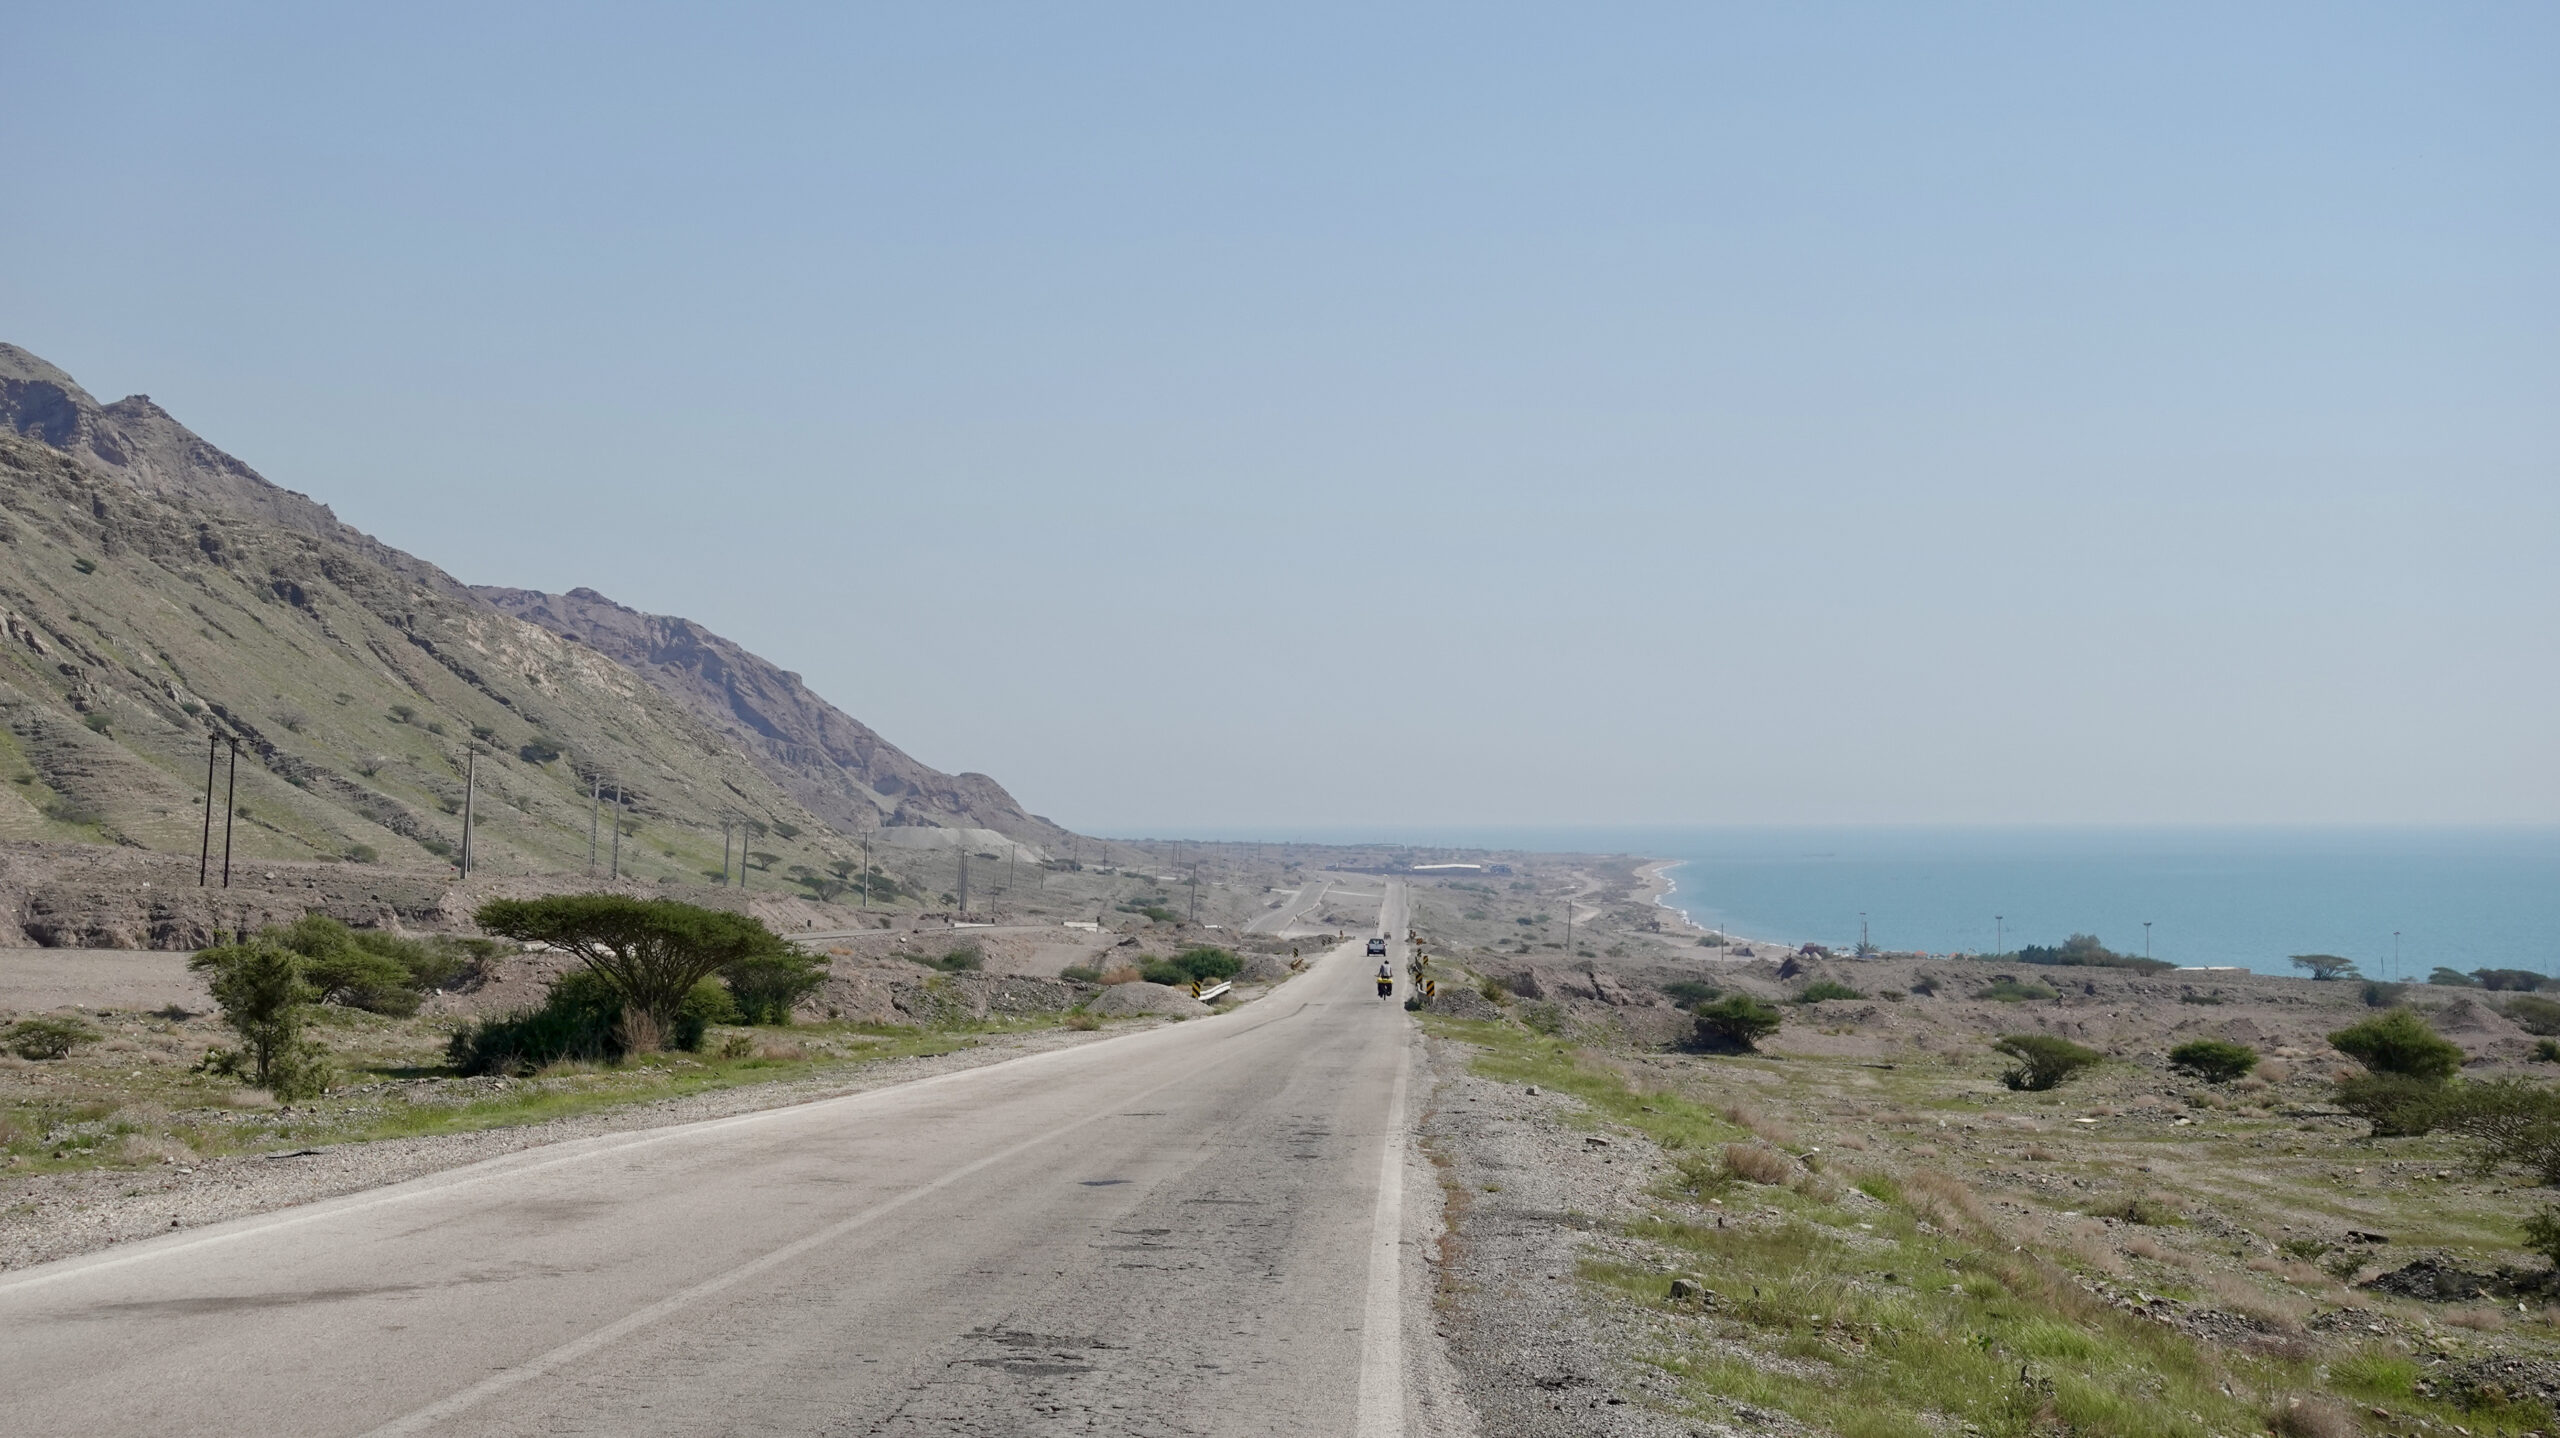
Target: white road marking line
(544, 1156)
(1381, 1412)
(576, 1348)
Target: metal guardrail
(1204, 995)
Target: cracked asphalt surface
(1173, 1232)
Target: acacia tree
(653, 951)
(2325, 966)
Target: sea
(2401, 902)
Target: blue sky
(1434, 415)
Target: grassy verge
(1864, 1296)
(132, 1102)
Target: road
(1179, 1231)
(1307, 905)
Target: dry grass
(1943, 1199)
(1082, 1022)
(2144, 1246)
(2038, 1153)
(1124, 974)
(1753, 1163)
(2310, 1418)
(2238, 1295)
(1744, 1116)
(1854, 1142)
(2478, 1320)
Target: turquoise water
(2461, 898)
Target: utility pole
(2000, 935)
(2146, 940)
(964, 878)
(470, 785)
(1862, 933)
(1568, 923)
(595, 813)
(230, 807)
(2395, 953)
(866, 873)
(724, 853)
(1195, 891)
(204, 859)
(618, 797)
(1010, 854)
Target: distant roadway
(1182, 1230)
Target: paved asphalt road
(1181, 1231)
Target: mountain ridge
(155, 591)
(838, 766)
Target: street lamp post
(2146, 939)
(2000, 935)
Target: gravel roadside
(48, 1216)
(1524, 1193)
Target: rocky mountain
(155, 591)
(825, 758)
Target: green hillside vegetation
(137, 623)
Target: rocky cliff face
(828, 760)
(138, 442)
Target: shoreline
(1656, 886)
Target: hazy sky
(1372, 414)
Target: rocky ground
(2245, 1249)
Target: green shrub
(2542, 1235)
(1081, 974)
(2546, 1051)
(2009, 991)
(578, 1020)
(1208, 964)
(263, 995)
(46, 1037)
(709, 1003)
(2514, 1120)
(1195, 965)
(2396, 1105)
(962, 960)
(2379, 995)
(2213, 1060)
(2534, 1015)
(2452, 978)
(1689, 993)
(2044, 1061)
(1737, 1021)
(765, 988)
(2084, 951)
(1822, 989)
(2398, 1041)
(2511, 980)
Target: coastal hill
(827, 759)
(155, 591)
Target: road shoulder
(1520, 1196)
